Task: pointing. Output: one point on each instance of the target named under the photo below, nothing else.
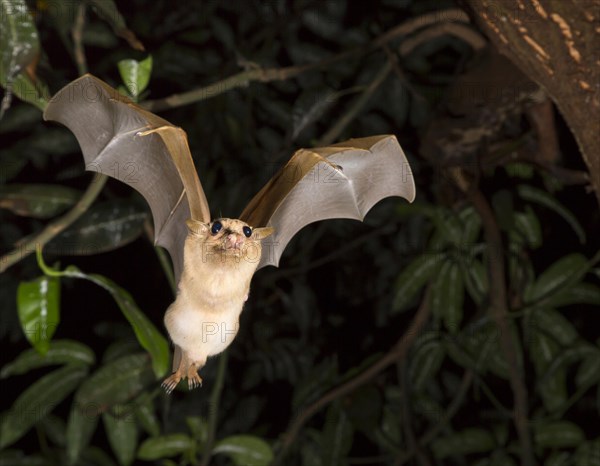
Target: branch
(55, 227)
(555, 44)
(334, 132)
(77, 34)
(442, 422)
(213, 415)
(396, 353)
(244, 78)
(499, 311)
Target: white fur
(214, 285)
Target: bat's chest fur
(204, 318)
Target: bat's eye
(216, 228)
(247, 232)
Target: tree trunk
(557, 44)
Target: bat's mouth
(232, 245)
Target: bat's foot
(194, 379)
(171, 382)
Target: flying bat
(215, 259)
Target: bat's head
(229, 238)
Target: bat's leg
(180, 363)
(176, 358)
(194, 379)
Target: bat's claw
(194, 379)
(171, 382)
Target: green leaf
(448, 229)
(471, 226)
(121, 430)
(554, 324)
(325, 21)
(447, 296)
(556, 372)
(38, 306)
(558, 434)
(413, 278)
(478, 347)
(104, 227)
(545, 199)
(465, 442)
(198, 427)
(60, 352)
(589, 370)
(145, 331)
(558, 458)
(81, 425)
(563, 272)
(315, 383)
(13, 163)
(588, 453)
(37, 200)
(580, 293)
(390, 434)
(475, 279)
(527, 226)
(156, 448)
(146, 415)
(427, 360)
(95, 456)
(116, 382)
(337, 436)
(519, 170)
(245, 450)
(55, 428)
(37, 401)
(19, 48)
(135, 74)
(543, 351)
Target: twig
(470, 36)
(279, 74)
(337, 252)
(334, 132)
(409, 433)
(77, 35)
(213, 415)
(498, 309)
(56, 226)
(396, 353)
(442, 422)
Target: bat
(214, 259)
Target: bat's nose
(234, 241)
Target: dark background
(313, 324)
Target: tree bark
(556, 44)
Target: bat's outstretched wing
(120, 139)
(340, 181)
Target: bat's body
(214, 285)
(215, 261)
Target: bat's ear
(196, 227)
(260, 233)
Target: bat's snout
(234, 241)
